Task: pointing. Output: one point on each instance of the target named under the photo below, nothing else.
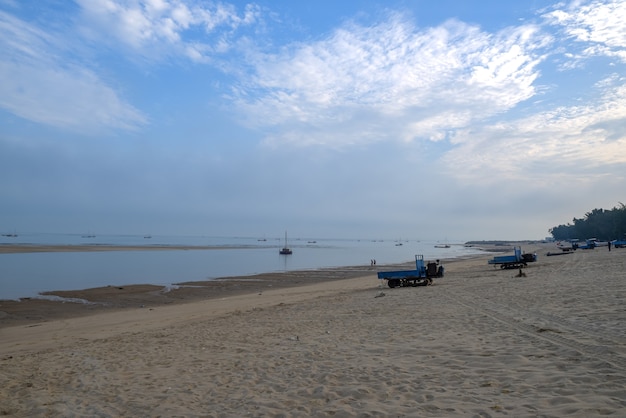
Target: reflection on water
(25, 275)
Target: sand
(480, 342)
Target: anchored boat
(285, 250)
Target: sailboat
(285, 250)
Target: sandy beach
(479, 342)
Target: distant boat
(566, 245)
(442, 246)
(285, 250)
(147, 236)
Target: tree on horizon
(599, 223)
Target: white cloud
(393, 81)
(72, 98)
(599, 24)
(154, 28)
(577, 142)
(37, 85)
(454, 83)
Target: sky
(412, 119)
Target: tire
(393, 283)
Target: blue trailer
(422, 275)
(517, 260)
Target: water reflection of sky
(24, 275)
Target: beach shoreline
(482, 341)
(63, 304)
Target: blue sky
(454, 119)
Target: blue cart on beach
(422, 275)
(517, 260)
(619, 243)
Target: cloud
(159, 28)
(598, 25)
(391, 81)
(453, 83)
(39, 86)
(579, 143)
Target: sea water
(28, 274)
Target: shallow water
(28, 274)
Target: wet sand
(109, 298)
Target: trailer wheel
(393, 283)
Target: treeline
(599, 223)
